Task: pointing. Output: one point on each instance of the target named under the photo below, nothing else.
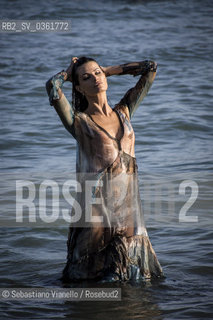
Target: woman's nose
(95, 77)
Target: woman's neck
(98, 105)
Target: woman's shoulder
(83, 125)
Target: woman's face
(92, 79)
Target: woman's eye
(97, 72)
(85, 78)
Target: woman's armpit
(123, 108)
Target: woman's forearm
(132, 68)
(59, 101)
(134, 96)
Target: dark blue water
(173, 128)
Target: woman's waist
(120, 161)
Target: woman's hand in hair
(69, 69)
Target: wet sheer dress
(109, 240)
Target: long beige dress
(110, 240)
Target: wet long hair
(79, 101)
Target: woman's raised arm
(59, 101)
(146, 69)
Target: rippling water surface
(173, 128)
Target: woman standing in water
(113, 244)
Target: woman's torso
(96, 148)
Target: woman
(109, 241)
